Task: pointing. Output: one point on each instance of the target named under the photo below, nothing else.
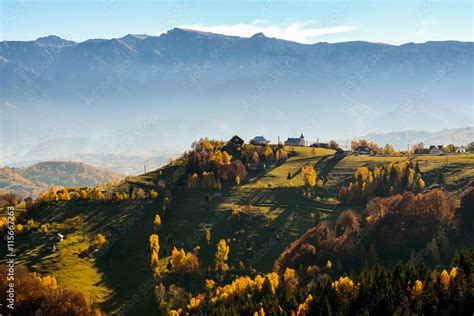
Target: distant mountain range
(155, 94)
(400, 140)
(30, 180)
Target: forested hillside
(39, 177)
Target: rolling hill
(30, 180)
(279, 215)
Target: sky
(394, 22)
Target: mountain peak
(258, 35)
(53, 40)
(179, 31)
(136, 36)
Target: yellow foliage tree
(83, 195)
(453, 272)
(303, 309)
(52, 196)
(388, 149)
(210, 284)
(255, 157)
(329, 264)
(268, 153)
(290, 278)
(274, 280)
(222, 255)
(344, 283)
(154, 250)
(445, 279)
(157, 221)
(207, 145)
(182, 262)
(64, 195)
(98, 241)
(97, 194)
(417, 288)
(309, 175)
(421, 183)
(226, 158)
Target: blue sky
(393, 22)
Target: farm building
(363, 150)
(436, 150)
(295, 141)
(236, 141)
(259, 140)
(421, 151)
(461, 150)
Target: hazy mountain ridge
(457, 136)
(179, 51)
(200, 80)
(38, 177)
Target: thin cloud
(300, 32)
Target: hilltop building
(436, 150)
(236, 141)
(461, 150)
(421, 151)
(363, 150)
(259, 140)
(295, 141)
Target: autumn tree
(222, 255)
(349, 221)
(226, 158)
(419, 145)
(392, 178)
(154, 250)
(10, 199)
(37, 295)
(98, 242)
(333, 145)
(157, 222)
(83, 195)
(290, 279)
(255, 158)
(52, 194)
(388, 149)
(470, 147)
(64, 195)
(281, 154)
(140, 194)
(309, 178)
(184, 262)
(208, 235)
(96, 194)
(309, 175)
(450, 149)
(207, 145)
(268, 153)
